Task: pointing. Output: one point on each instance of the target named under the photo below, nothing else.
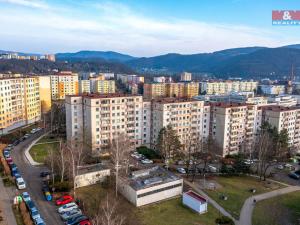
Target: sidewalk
(27, 154)
(247, 210)
(211, 201)
(6, 198)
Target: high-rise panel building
(20, 102)
(185, 76)
(64, 83)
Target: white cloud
(118, 28)
(28, 3)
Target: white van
(212, 169)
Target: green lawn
(170, 212)
(284, 209)
(40, 151)
(237, 189)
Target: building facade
(20, 102)
(45, 93)
(96, 119)
(185, 76)
(64, 83)
(270, 89)
(226, 87)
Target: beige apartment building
(185, 76)
(180, 90)
(184, 115)
(284, 118)
(45, 93)
(20, 102)
(64, 83)
(225, 87)
(95, 85)
(233, 126)
(95, 119)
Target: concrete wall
(91, 178)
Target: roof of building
(91, 168)
(278, 108)
(146, 178)
(108, 95)
(174, 100)
(196, 196)
(229, 104)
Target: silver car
(67, 215)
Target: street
(31, 174)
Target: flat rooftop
(146, 178)
(109, 95)
(229, 104)
(174, 100)
(91, 168)
(278, 108)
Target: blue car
(30, 205)
(26, 196)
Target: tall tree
(119, 150)
(168, 143)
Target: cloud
(28, 3)
(111, 26)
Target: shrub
(224, 220)
(147, 152)
(62, 186)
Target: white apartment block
(283, 100)
(225, 87)
(127, 78)
(84, 86)
(233, 126)
(97, 86)
(185, 76)
(19, 102)
(284, 118)
(95, 119)
(184, 115)
(270, 89)
(64, 83)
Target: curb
(27, 154)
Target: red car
(9, 160)
(85, 222)
(64, 200)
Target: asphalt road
(34, 182)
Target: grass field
(284, 209)
(170, 212)
(237, 189)
(40, 151)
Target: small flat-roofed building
(194, 201)
(91, 174)
(150, 185)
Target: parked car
(70, 214)
(280, 167)
(212, 169)
(26, 196)
(34, 213)
(30, 205)
(181, 170)
(16, 142)
(17, 175)
(26, 136)
(33, 131)
(67, 207)
(6, 154)
(9, 161)
(76, 220)
(39, 221)
(84, 222)
(14, 171)
(180, 162)
(64, 200)
(146, 161)
(20, 183)
(45, 173)
(10, 146)
(295, 175)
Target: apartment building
(270, 89)
(64, 83)
(96, 118)
(184, 115)
(283, 100)
(130, 78)
(225, 87)
(45, 93)
(104, 86)
(181, 89)
(233, 126)
(84, 86)
(284, 118)
(20, 102)
(185, 76)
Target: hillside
(93, 55)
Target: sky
(142, 27)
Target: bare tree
(75, 155)
(119, 150)
(108, 214)
(61, 159)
